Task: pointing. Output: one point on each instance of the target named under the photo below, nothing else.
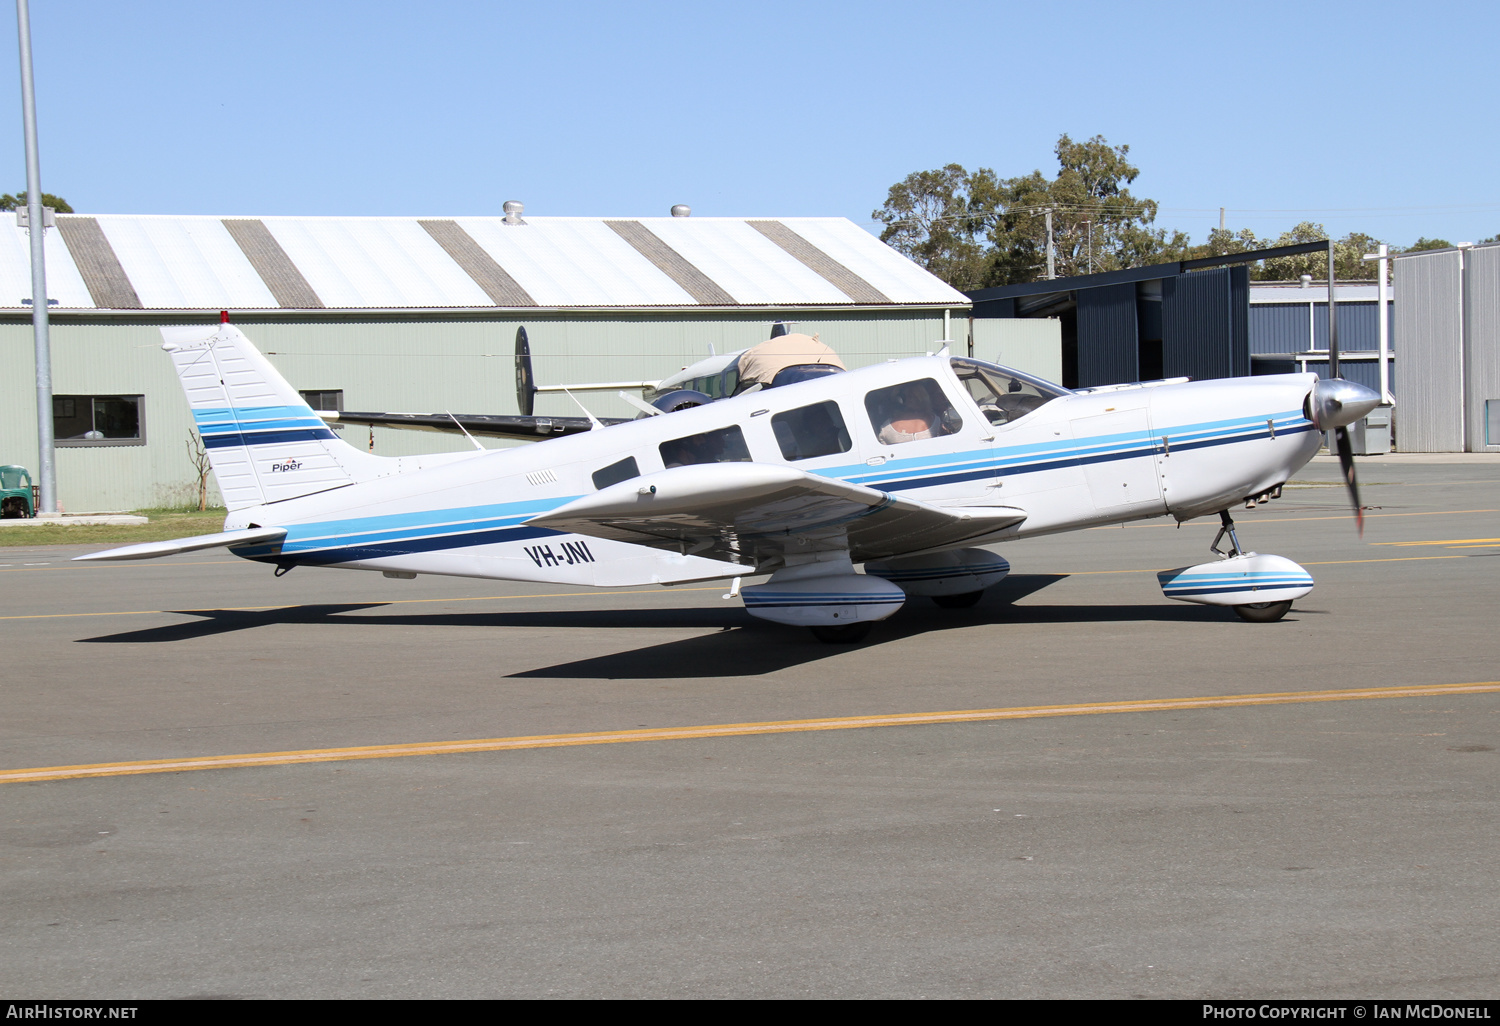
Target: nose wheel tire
(843, 634)
(1263, 612)
(963, 601)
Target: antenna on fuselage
(593, 420)
(465, 430)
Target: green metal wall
(463, 365)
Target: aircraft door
(925, 444)
(1118, 456)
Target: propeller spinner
(1335, 404)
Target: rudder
(264, 442)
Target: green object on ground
(15, 492)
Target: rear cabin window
(726, 445)
(809, 431)
(911, 411)
(616, 472)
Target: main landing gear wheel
(843, 634)
(963, 601)
(1263, 612)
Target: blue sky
(1374, 117)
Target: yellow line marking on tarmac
(1473, 542)
(370, 602)
(1326, 562)
(646, 591)
(1205, 522)
(140, 565)
(607, 737)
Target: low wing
(151, 550)
(517, 428)
(757, 512)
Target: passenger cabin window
(616, 472)
(1003, 395)
(910, 411)
(809, 431)
(723, 446)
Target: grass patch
(164, 524)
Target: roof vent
(682, 210)
(513, 210)
(1306, 280)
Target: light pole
(1382, 258)
(36, 228)
(1051, 261)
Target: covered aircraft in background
(907, 469)
(786, 356)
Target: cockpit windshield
(1002, 394)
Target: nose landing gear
(1270, 583)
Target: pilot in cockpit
(914, 415)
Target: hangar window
(616, 472)
(726, 445)
(910, 411)
(326, 399)
(809, 431)
(84, 420)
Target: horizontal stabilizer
(151, 550)
(516, 428)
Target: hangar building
(1448, 324)
(1193, 318)
(420, 314)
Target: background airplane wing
(756, 512)
(518, 428)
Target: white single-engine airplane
(905, 467)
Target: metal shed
(1447, 332)
(1166, 320)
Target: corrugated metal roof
(1313, 293)
(117, 262)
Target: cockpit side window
(727, 445)
(616, 472)
(1003, 395)
(816, 430)
(911, 411)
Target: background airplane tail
(264, 442)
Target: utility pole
(1221, 219)
(1382, 258)
(1051, 260)
(36, 228)
(1333, 322)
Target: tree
(57, 203)
(976, 229)
(932, 217)
(1425, 243)
(198, 457)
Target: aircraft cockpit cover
(762, 363)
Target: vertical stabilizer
(264, 442)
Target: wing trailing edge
(757, 512)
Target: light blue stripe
(338, 534)
(1143, 443)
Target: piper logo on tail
(286, 465)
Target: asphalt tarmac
(1337, 846)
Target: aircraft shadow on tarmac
(739, 647)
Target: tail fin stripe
(218, 441)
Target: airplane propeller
(1335, 404)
